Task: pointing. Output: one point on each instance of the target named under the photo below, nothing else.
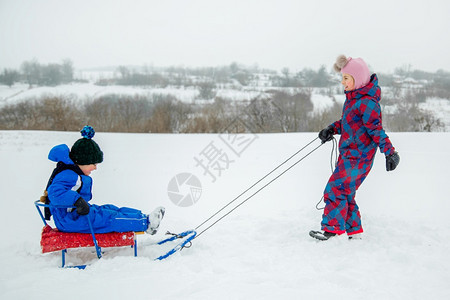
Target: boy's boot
(154, 219)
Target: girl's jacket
(360, 126)
(67, 187)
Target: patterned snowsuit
(361, 133)
(68, 186)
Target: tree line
(209, 79)
(280, 112)
(275, 111)
(34, 73)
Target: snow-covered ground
(82, 91)
(262, 250)
(90, 91)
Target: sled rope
(334, 151)
(260, 189)
(178, 236)
(264, 177)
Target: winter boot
(323, 236)
(154, 219)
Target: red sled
(54, 240)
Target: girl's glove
(82, 206)
(392, 161)
(326, 134)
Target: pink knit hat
(356, 67)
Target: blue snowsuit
(67, 187)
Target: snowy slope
(90, 91)
(262, 250)
(83, 91)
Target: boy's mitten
(82, 206)
(392, 161)
(326, 134)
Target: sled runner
(54, 240)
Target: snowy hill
(262, 250)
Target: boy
(71, 185)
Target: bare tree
(32, 71)
(9, 77)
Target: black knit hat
(85, 151)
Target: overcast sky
(192, 33)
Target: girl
(71, 185)
(361, 133)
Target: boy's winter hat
(355, 67)
(85, 151)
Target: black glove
(82, 206)
(392, 161)
(326, 134)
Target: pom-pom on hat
(356, 67)
(86, 151)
